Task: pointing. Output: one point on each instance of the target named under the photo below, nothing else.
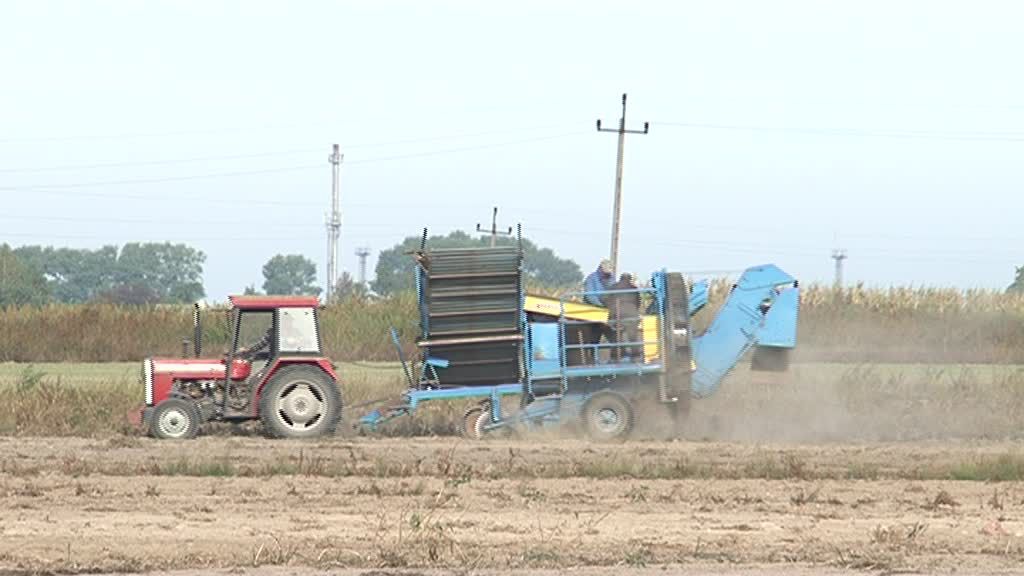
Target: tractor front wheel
(175, 419)
(607, 417)
(300, 402)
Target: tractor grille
(472, 307)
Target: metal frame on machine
(417, 393)
(539, 408)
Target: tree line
(166, 273)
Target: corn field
(857, 324)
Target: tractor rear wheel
(175, 419)
(607, 417)
(300, 402)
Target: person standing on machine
(624, 317)
(596, 283)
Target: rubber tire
(272, 425)
(469, 426)
(186, 407)
(592, 414)
(770, 359)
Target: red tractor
(278, 375)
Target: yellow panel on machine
(548, 306)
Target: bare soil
(134, 505)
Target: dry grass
(814, 402)
(856, 324)
(94, 399)
(352, 330)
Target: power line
(903, 134)
(238, 173)
(189, 238)
(465, 148)
(460, 136)
(791, 250)
(176, 198)
(159, 180)
(202, 132)
(126, 164)
(133, 163)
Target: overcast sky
(779, 130)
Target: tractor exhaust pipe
(197, 332)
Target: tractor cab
(278, 374)
(265, 329)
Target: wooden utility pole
(617, 210)
(494, 232)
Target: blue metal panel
(735, 327)
(562, 358)
(415, 397)
(698, 296)
(436, 362)
(611, 370)
(545, 359)
(779, 328)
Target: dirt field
(126, 504)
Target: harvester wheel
(175, 419)
(607, 417)
(472, 425)
(300, 402)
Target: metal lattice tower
(362, 252)
(333, 223)
(839, 254)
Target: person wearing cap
(597, 283)
(624, 316)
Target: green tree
(171, 272)
(347, 287)
(73, 275)
(540, 265)
(290, 275)
(1018, 282)
(20, 283)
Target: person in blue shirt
(596, 283)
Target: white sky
(894, 129)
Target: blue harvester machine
(482, 337)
